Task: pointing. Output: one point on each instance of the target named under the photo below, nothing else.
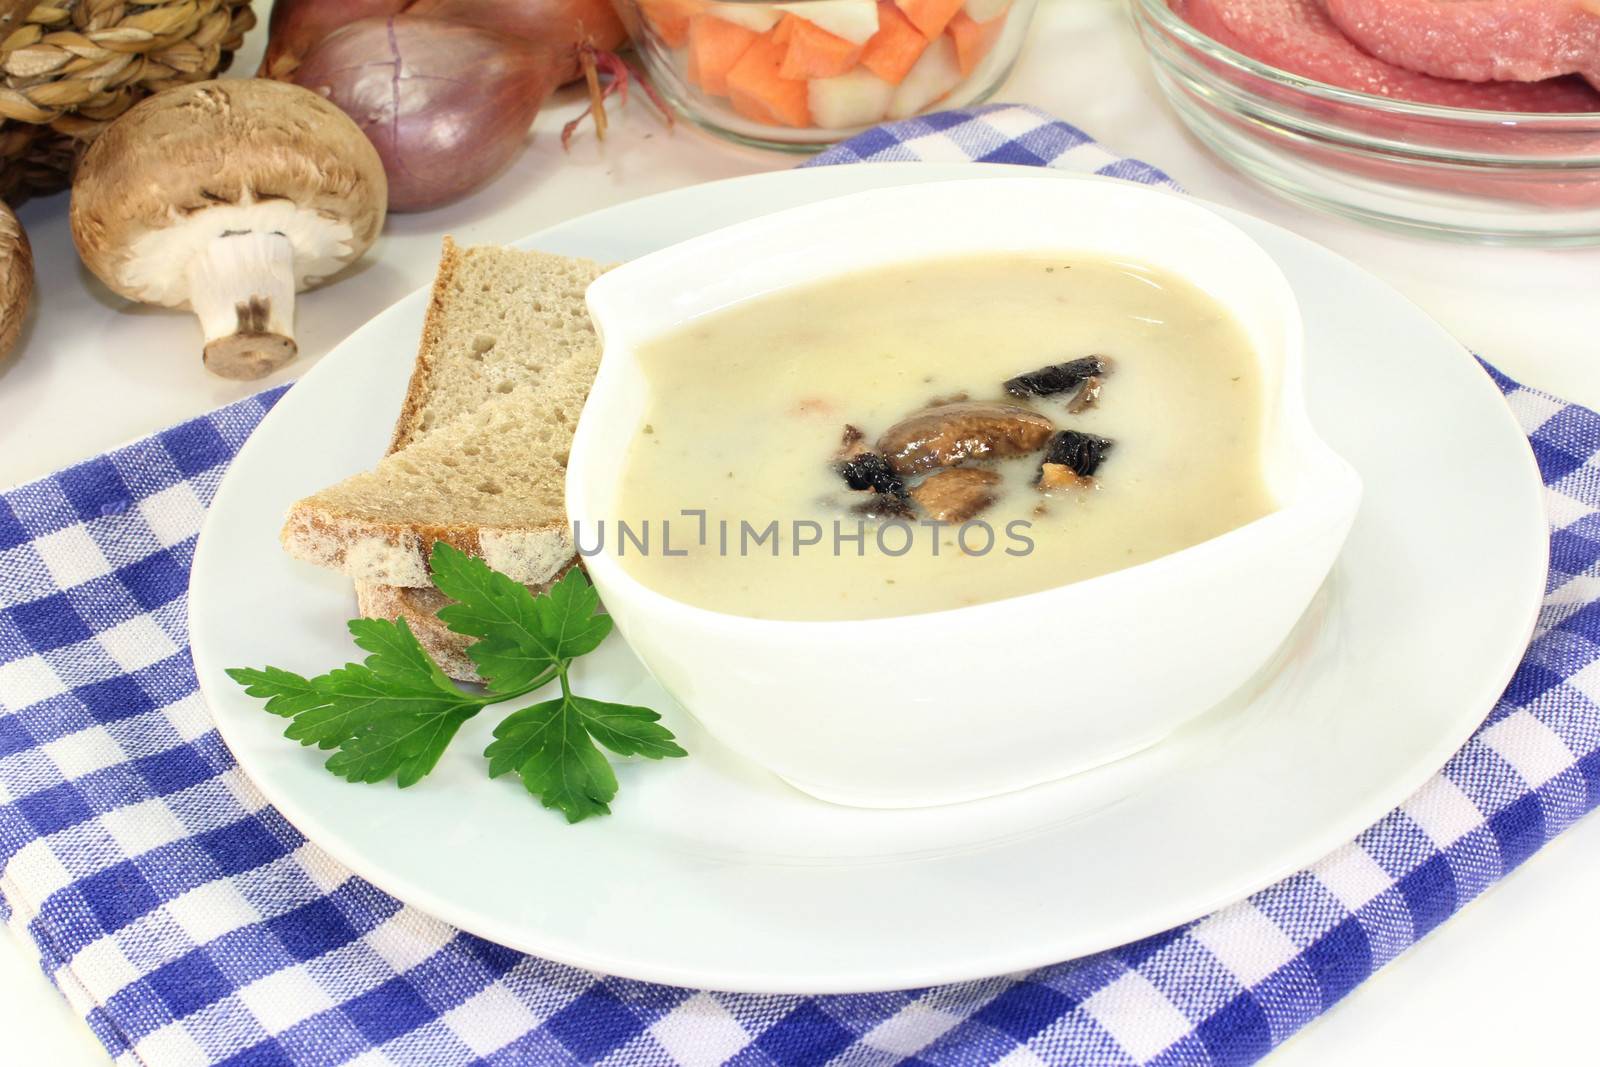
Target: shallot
(564, 24)
(298, 26)
(447, 105)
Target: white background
(1509, 980)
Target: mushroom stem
(241, 286)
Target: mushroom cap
(16, 278)
(244, 143)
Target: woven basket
(68, 67)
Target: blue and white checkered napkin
(191, 924)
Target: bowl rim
(1342, 485)
(1161, 15)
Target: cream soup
(760, 414)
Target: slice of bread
(491, 483)
(419, 607)
(498, 318)
(479, 455)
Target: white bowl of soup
(927, 494)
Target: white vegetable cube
(934, 75)
(857, 98)
(854, 20)
(984, 10)
(757, 18)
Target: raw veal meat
(1478, 40)
(1297, 36)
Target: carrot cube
(812, 52)
(714, 47)
(930, 17)
(753, 109)
(895, 48)
(973, 39)
(670, 19)
(758, 89)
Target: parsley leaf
(520, 638)
(626, 729)
(286, 693)
(549, 746)
(393, 714)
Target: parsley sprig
(394, 714)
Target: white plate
(713, 874)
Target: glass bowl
(802, 74)
(1494, 176)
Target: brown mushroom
(954, 433)
(884, 506)
(229, 197)
(957, 494)
(1058, 377)
(852, 443)
(1054, 476)
(864, 470)
(1088, 396)
(1081, 453)
(16, 278)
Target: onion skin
(447, 105)
(298, 26)
(560, 24)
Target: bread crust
(421, 384)
(446, 647)
(397, 553)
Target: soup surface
(749, 406)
